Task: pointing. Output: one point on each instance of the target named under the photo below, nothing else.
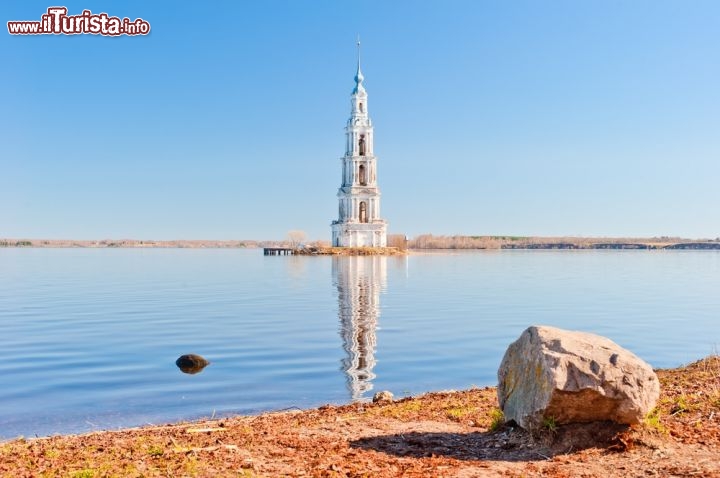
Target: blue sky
(491, 117)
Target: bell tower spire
(359, 223)
(358, 76)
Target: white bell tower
(359, 223)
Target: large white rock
(560, 376)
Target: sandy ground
(434, 435)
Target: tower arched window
(361, 145)
(361, 108)
(363, 212)
(362, 175)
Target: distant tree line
(398, 240)
(5, 243)
(429, 241)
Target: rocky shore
(448, 434)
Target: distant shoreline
(134, 243)
(424, 242)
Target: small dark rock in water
(191, 363)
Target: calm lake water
(90, 336)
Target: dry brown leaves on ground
(435, 435)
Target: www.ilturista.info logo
(57, 22)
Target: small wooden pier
(278, 251)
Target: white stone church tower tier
(359, 223)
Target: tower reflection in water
(359, 281)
